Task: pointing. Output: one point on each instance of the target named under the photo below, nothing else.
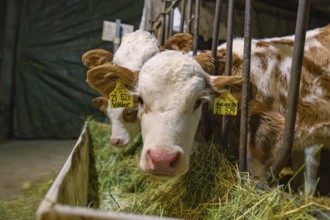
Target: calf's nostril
(163, 160)
(115, 141)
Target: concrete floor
(24, 162)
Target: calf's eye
(140, 100)
(197, 104)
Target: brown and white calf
(135, 49)
(270, 73)
(171, 88)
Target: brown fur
(96, 57)
(130, 115)
(206, 61)
(182, 42)
(103, 78)
(101, 103)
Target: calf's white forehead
(171, 73)
(135, 49)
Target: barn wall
(52, 98)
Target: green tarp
(52, 98)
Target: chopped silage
(212, 188)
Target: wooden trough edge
(67, 198)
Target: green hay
(212, 188)
(24, 206)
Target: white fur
(120, 129)
(135, 49)
(170, 83)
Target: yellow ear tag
(226, 104)
(121, 97)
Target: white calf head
(124, 125)
(135, 49)
(171, 89)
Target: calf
(171, 88)
(270, 73)
(136, 48)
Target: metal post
(149, 14)
(246, 86)
(216, 28)
(189, 17)
(163, 25)
(116, 41)
(224, 139)
(196, 26)
(171, 19)
(291, 110)
(183, 14)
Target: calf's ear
(219, 83)
(181, 42)
(97, 57)
(206, 61)
(103, 78)
(234, 83)
(101, 102)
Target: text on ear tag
(225, 104)
(120, 97)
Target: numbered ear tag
(121, 97)
(226, 104)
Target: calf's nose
(115, 141)
(163, 162)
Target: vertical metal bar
(196, 26)
(189, 16)
(246, 86)
(291, 106)
(228, 67)
(216, 28)
(171, 19)
(183, 14)
(149, 14)
(163, 25)
(116, 41)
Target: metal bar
(163, 24)
(196, 26)
(116, 41)
(246, 86)
(149, 14)
(216, 28)
(189, 17)
(183, 14)
(228, 67)
(171, 19)
(291, 110)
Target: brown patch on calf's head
(103, 78)
(101, 102)
(97, 57)
(181, 42)
(206, 61)
(130, 115)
